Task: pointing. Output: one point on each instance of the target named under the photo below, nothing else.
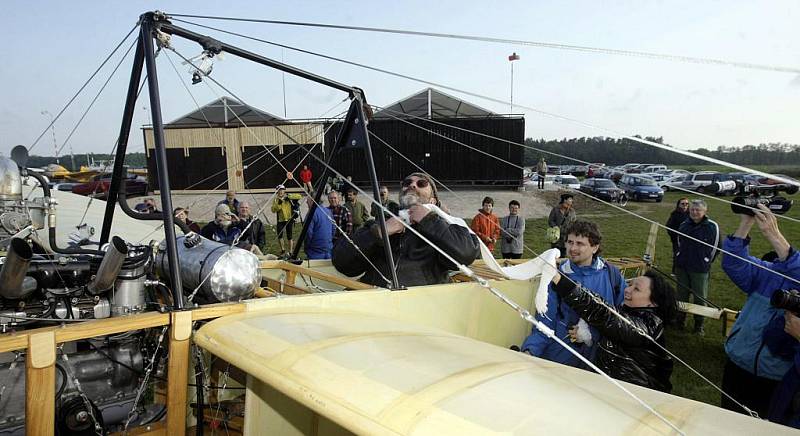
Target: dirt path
(535, 203)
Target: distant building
(403, 126)
(222, 146)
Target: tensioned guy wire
(538, 44)
(33, 145)
(504, 102)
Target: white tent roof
(432, 103)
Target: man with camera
(752, 369)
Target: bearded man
(415, 261)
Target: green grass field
(626, 235)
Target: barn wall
(451, 163)
(232, 158)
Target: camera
(787, 300)
(750, 196)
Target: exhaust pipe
(109, 266)
(12, 274)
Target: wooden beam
(40, 384)
(339, 280)
(696, 309)
(178, 372)
(110, 326)
(285, 288)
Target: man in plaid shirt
(341, 216)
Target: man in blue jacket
(319, 236)
(752, 369)
(584, 266)
(693, 259)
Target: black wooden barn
(422, 129)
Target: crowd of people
(617, 324)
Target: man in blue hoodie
(698, 238)
(583, 266)
(319, 236)
(753, 369)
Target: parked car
(602, 189)
(656, 177)
(699, 181)
(654, 168)
(627, 166)
(640, 188)
(790, 189)
(554, 169)
(672, 183)
(101, 183)
(673, 172)
(570, 182)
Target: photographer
(781, 337)
(753, 370)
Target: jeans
(698, 284)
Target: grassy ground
(625, 235)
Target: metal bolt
(353, 142)
(82, 416)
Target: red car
(101, 183)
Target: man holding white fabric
(415, 261)
(585, 267)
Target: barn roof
(432, 103)
(225, 112)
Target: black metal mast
(355, 129)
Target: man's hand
(792, 325)
(417, 212)
(394, 225)
(768, 223)
(573, 333)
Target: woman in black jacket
(623, 352)
(676, 218)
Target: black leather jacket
(417, 263)
(623, 353)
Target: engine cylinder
(109, 266)
(15, 266)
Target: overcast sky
(51, 48)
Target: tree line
(132, 160)
(616, 151)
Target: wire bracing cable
(507, 41)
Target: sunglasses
(684, 204)
(421, 183)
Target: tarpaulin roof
(225, 112)
(432, 103)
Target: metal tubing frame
(361, 122)
(147, 28)
(122, 141)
